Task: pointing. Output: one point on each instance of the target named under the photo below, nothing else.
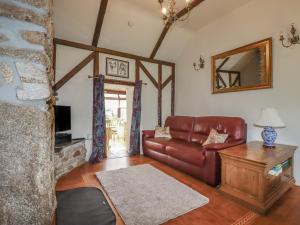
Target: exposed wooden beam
(167, 81)
(180, 14)
(137, 70)
(132, 56)
(230, 79)
(228, 71)
(221, 79)
(237, 79)
(96, 64)
(184, 11)
(95, 73)
(148, 74)
(119, 82)
(110, 52)
(112, 98)
(118, 92)
(160, 40)
(159, 96)
(73, 72)
(222, 64)
(74, 44)
(99, 23)
(173, 92)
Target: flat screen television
(62, 118)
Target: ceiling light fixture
(169, 11)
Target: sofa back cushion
(235, 127)
(181, 127)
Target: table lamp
(269, 119)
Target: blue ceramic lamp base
(269, 136)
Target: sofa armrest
(217, 147)
(148, 133)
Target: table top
(254, 151)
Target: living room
(103, 100)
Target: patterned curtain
(99, 126)
(134, 147)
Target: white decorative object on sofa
(162, 132)
(215, 138)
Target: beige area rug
(143, 195)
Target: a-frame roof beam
(180, 14)
(99, 22)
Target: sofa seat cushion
(157, 144)
(188, 152)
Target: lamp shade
(269, 118)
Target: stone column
(26, 113)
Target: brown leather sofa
(184, 151)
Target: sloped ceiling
(75, 20)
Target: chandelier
(169, 11)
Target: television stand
(68, 156)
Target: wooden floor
(219, 211)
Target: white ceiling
(75, 20)
(203, 14)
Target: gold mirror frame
(267, 43)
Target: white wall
(78, 92)
(150, 97)
(257, 20)
(75, 20)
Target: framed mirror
(245, 68)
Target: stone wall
(26, 120)
(68, 158)
(26, 166)
(26, 35)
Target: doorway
(117, 123)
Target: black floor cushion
(83, 206)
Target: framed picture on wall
(117, 68)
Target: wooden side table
(245, 174)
